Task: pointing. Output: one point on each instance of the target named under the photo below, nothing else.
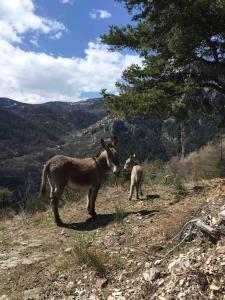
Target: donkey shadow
(102, 220)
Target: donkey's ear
(134, 155)
(114, 140)
(103, 144)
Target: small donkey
(136, 176)
(80, 174)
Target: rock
(27, 262)
(93, 297)
(70, 286)
(32, 294)
(213, 287)
(35, 244)
(180, 264)
(160, 282)
(4, 297)
(101, 282)
(68, 250)
(151, 274)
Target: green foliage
(89, 256)
(154, 173)
(120, 214)
(182, 44)
(36, 205)
(5, 196)
(7, 208)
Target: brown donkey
(80, 174)
(136, 176)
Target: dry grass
(206, 163)
(110, 248)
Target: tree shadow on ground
(103, 220)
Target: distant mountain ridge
(31, 133)
(28, 127)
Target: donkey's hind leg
(91, 198)
(140, 187)
(56, 195)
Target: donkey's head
(111, 155)
(130, 162)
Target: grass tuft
(120, 214)
(90, 257)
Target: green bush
(35, 205)
(90, 257)
(7, 208)
(5, 196)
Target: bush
(5, 196)
(120, 214)
(7, 208)
(206, 163)
(36, 205)
(90, 257)
(154, 173)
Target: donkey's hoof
(59, 223)
(93, 214)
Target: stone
(68, 250)
(101, 282)
(35, 244)
(32, 294)
(180, 264)
(213, 287)
(151, 275)
(70, 286)
(4, 297)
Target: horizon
(53, 101)
(53, 51)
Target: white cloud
(71, 2)
(34, 41)
(57, 36)
(100, 14)
(18, 17)
(36, 77)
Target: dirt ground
(38, 261)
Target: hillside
(112, 258)
(31, 134)
(25, 128)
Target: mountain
(31, 133)
(25, 128)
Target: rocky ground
(117, 256)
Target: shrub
(120, 214)
(7, 208)
(206, 163)
(36, 205)
(5, 196)
(90, 257)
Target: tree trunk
(183, 140)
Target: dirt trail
(35, 255)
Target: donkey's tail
(43, 189)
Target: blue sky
(50, 49)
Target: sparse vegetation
(120, 214)
(7, 207)
(206, 163)
(89, 256)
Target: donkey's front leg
(92, 195)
